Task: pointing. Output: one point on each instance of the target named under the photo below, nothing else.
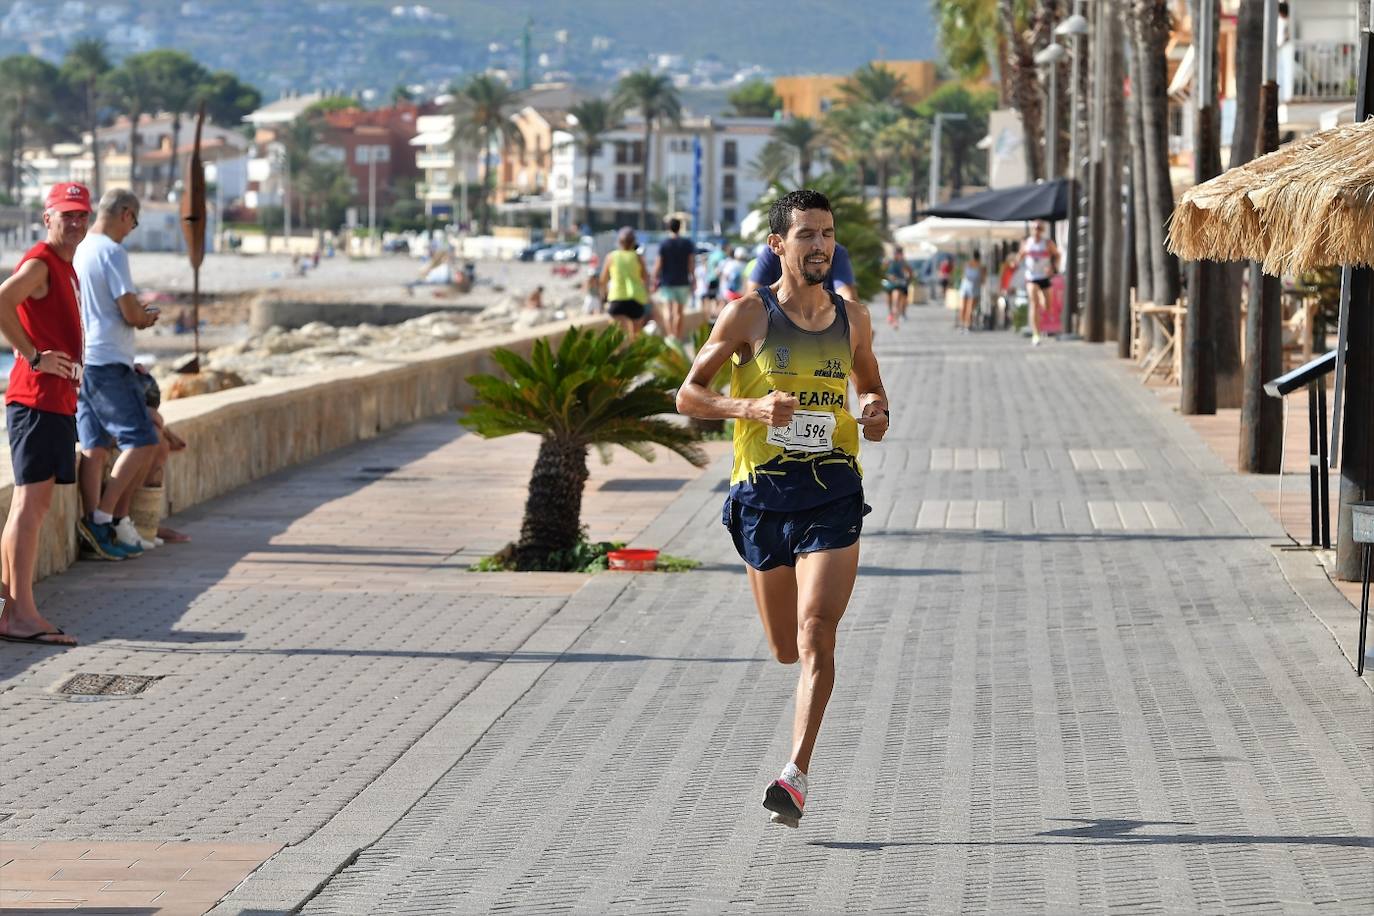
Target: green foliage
(755, 99)
(27, 88)
(673, 564)
(652, 95)
(875, 84)
(482, 112)
(331, 103)
(962, 165)
(970, 31)
(802, 137)
(227, 99)
(854, 228)
(675, 361)
(593, 390)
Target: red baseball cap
(68, 195)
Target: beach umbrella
(193, 226)
(1309, 204)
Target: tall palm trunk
(553, 510)
(172, 162)
(1144, 264)
(93, 124)
(804, 162)
(133, 151)
(587, 192)
(1152, 32)
(1112, 130)
(1020, 72)
(485, 226)
(882, 195)
(644, 174)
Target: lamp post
(935, 145)
(1075, 27)
(1049, 57)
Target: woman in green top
(624, 286)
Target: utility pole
(525, 52)
(371, 192)
(1094, 304)
(1261, 417)
(1200, 353)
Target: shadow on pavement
(878, 571)
(969, 534)
(477, 655)
(1116, 832)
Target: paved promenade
(1074, 678)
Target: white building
(1318, 64)
(443, 182)
(728, 185)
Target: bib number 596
(809, 431)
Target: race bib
(809, 431)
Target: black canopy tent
(1048, 200)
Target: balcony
(1318, 71)
(433, 191)
(434, 160)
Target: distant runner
(796, 503)
(1041, 257)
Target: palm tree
(594, 390)
(26, 86)
(971, 39)
(83, 68)
(773, 163)
(592, 119)
(803, 135)
(656, 100)
(891, 144)
(1151, 24)
(482, 111)
(875, 84)
(176, 81)
(130, 86)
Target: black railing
(1312, 375)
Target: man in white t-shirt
(112, 407)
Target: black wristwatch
(34, 360)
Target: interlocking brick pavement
(1045, 715)
(319, 625)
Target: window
(730, 157)
(622, 152)
(620, 186)
(727, 216)
(637, 152)
(365, 154)
(727, 189)
(636, 184)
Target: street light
(1075, 27)
(1050, 56)
(940, 117)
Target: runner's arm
(740, 324)
(868, 383)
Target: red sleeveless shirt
(52, 323)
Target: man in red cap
(40, 316)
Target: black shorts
(626, 308)
(42, 445)
(766, 539)
(1043, 283)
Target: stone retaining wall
(234, 437)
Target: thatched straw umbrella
(1307, 205)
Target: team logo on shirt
(781, 357)
(833, 368)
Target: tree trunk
(804, 158)
(93, 122)
(644, 175)
(587, 194)
(1114, 128)
(1249, 78)
(1025, 89)
(553, 509)
(133, 151)
(915, 186)
(484, 227)
(882, 196)
(1152, 33)
(1357, 436)
(172, 162)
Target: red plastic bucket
(632, 560)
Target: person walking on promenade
(623, 285)
(970, 291)
(796, 504)
(673, 275)
(1040, 256)
(40, 317)
(896, 276)
(112, 409)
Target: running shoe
(126, 535)
(98, 541)
(786, 796)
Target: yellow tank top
(627, 280)
(815, 460)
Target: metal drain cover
(106, 685)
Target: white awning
(939, 230)
(432, 138)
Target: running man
(673, 275)
(1040, 255)
(796, 503)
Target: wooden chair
(1168, 321)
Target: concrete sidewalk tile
(18, 871)
(91, 870)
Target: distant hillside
(377, 44)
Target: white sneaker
(127, 534)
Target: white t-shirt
(102, 266)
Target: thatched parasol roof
(1307, 205)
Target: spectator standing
(40, 317)
(673, 275)
(112, 410)
(896, 276)
(970, 291)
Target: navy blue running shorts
(766, 538)
(42, 445)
